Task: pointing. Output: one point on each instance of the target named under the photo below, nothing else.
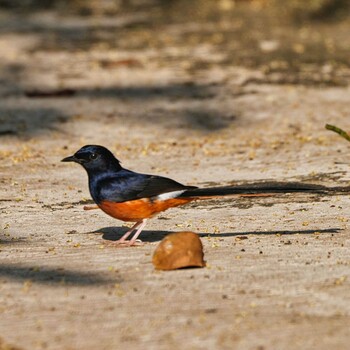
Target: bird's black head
(94, 158)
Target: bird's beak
(70, 159)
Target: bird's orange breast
(139, 209)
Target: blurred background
(306, 40)
(170, 49)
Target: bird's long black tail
(256, 189)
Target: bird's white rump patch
(169, 195)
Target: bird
(135, 197)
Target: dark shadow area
(114, 233)
(207, 120)
(28, 121)
(321, 10)
(56, 276)
(8, 240)
(173, 92)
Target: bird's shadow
(114, 233)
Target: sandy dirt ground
(167, 101)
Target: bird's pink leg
(134, 238)
(127, 234)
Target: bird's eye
(93, 156)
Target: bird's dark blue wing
(127, 185)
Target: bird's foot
(124, 243)
(130, 243)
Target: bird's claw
(125, 243)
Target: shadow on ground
(38, 113)
(20, 240)
(58, 276)
(114, 233)
(28, 121)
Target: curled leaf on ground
(339, 131)
(179, 250)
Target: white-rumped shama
(130, 196)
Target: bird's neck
(103, 172)
(96, 179)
